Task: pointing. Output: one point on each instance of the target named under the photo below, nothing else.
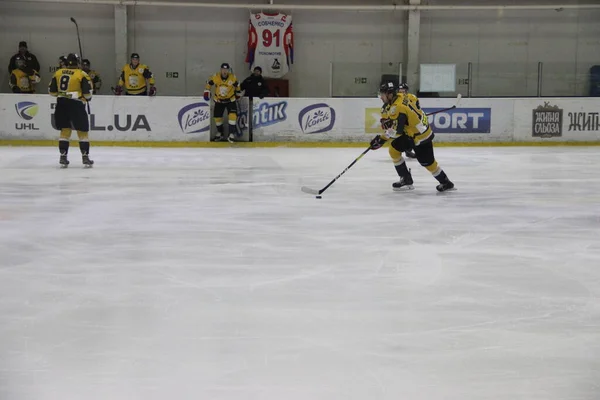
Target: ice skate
(64, 163)
(446, 186)
(87, 163)
(404, 184)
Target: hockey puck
(319, 197)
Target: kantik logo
(26, 110)
(194, 118)
(317, 118)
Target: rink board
(186, 121)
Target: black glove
(386, 123)
(377, 142)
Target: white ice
(207, 274)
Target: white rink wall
(28, 119)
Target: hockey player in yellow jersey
(408, 128)
(227, 91)
(403, 89)
(73, 89)
(136, 79)
(86, 66)
(22, 78)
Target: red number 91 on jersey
(270, 43)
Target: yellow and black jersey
(21, 81)
(413, 99)
(226, 89)
(135, 80)
(408, 118)
(71, 83)
(96, 80)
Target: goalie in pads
(406, 124)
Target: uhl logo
(26, 110)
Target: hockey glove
(207, 95)
(119, 90)
(386, 123)
(377, 142)
(152, 91)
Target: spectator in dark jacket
(31, 61)
(255, 85)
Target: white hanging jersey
(270, 44)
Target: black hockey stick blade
(318, 192)
(73, 20)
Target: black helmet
(403, 86)
(72, 60)
(225, 66)
(388, 87)
(86, 62)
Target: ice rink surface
(207, 274)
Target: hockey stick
(319, 192)
(78, 38)
(80, 54)
(458, 98)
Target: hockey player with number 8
(73, 89)
(408, 128)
